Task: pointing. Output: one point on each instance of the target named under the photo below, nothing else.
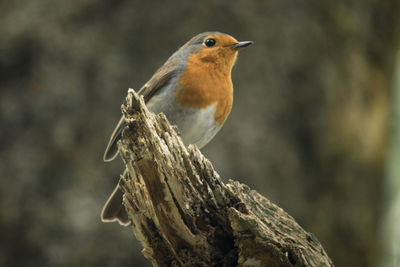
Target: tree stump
(184, 215)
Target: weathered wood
(184, 215)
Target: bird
(194, 89)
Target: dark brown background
(309, 128)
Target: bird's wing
(156, 82)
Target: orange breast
(207, 81)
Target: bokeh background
(314, 127)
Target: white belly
(197, 126)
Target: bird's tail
(114, 210)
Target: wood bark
(184, 215)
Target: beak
(240, 45)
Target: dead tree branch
(184, 215)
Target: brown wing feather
(156, 82)
(159, 79)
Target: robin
(194, 90)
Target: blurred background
(315, 125)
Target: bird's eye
(210, 42)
